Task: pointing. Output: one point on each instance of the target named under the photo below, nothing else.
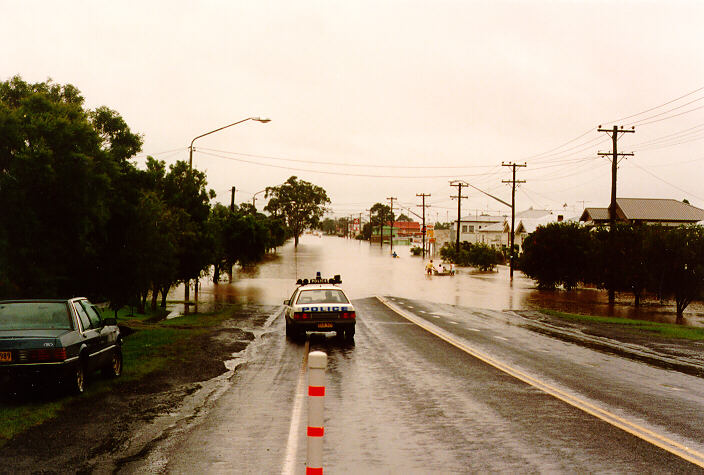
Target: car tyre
(349, 334)
(77, 383)
(115, 368)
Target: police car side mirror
(286, 302)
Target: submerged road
(404, 400)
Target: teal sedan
(61, 341)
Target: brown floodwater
(370, 270)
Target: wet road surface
(402, 400)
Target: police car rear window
(321, 296)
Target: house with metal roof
(666, 212)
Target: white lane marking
(500, 338)
(474, 329)
(435, 316)
(652, 437)
(295, 428)
(452, 323)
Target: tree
(557, 254)
(57, 189)
(403, 217)
(299, 204)
(680, 258)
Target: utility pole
(459, 184)
(612, 206)
(391, 238)
(371, 227)
(513, 181)
(232, 200)
(423, 195)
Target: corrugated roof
(654, 209)
(531, 213)
(592, 214)
(483, 219)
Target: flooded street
(369, 270)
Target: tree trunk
(295, 240)
(142, 302)
(216, 273)
(164, 293)
(636, 300)
(155, 296)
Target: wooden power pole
(459, 184)
(612, 206)
(513, 181)
(423, 195)
(391, 231)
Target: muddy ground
(97, 433)
(93, 433)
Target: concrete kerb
(624, 349)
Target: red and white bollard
(317, 361)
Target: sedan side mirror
(286, 302)
(110, 321)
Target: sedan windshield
(34, 316)
(321, 296)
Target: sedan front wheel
(115, 368)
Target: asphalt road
(403, 400)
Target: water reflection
(369, 270)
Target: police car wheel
(349, 334)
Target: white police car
(319, 305)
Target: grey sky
(455, 86)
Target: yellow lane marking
(643, 433)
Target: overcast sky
(373, 99)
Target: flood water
(369, 270)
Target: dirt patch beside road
(97, 426)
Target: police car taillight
(350, 315)
(301, 316)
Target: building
(470, 227)
(495, 231)
(666, 212)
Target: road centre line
(295, 428)
(632, 428)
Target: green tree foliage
(478, 255)
(79, 218)
(668, 261)
(328, 226)
(403, 217)
(55, 188)
(557, 254)
(299, 204)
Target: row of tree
(479, 255)
(666, 261)
(78, 218)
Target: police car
(319, 305)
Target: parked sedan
(56, 340)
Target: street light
(263, 120)
(254, 197)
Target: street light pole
(187, 290)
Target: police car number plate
(5, 356)
(324, 325)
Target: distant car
(56, 340)
(320, 305)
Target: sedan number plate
(5, 356)
(324, 325)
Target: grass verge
(666, 330)
(147, 347)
